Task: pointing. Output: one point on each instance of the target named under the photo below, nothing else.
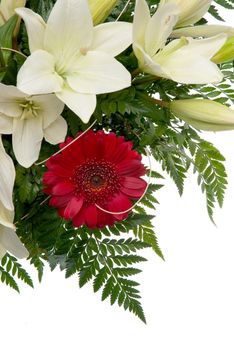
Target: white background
(188, 300)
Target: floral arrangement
(91, 92)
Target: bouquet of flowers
(91, 92)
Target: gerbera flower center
(96, 181)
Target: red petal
(100, 138)
(133, 182)
(50, 179)
(63, 188)
(62, 171)
(54, 160)
(134, 155)
(60, 201)
(73, 152)
(133, 187)
(131, 168)
(121, 153)
(118, 204)
(73, 208)
(110, 145)
(91, 216)
(89, 145)
(79, 219)
(68, 140)
(104, 219)
(132, 193)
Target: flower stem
(2, 62)
(12, 50)
(154, 100)
(146, 79)
(135, 72)
(29, 213)
(124, 9)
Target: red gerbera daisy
(98, 171)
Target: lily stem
(12, 50)
(146, 79)
(135, 72)
(154, 100)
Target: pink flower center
(96, 181)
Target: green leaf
(215, 13)
(151, 239)
(225, 3)
(6, 35)
(8, 279)
(100, 279)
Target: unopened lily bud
(204, 114)
(190, 10)
(100, 9)
(205, 31)
(226, 53)
(7, 9)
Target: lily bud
(190, 11)
(226, 53)
(205, 30)
(204, 114)
(100, 9)
(7, 9)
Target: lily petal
(162, 23)
(38, 76)
(56, 132)
(191, 63)
(8, 100)
(6, 124)
(11, 242)
(2, 249)
(205, 47)
(140, 21)
(147, 64)
(81, 104)
(7, 178)
(35, 26)
(50, 108)
(198, 71)
(99, 73)
(6, 217)
(112, 37)
(26, 139)
(69, 28)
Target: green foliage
(215, 13)
(108, 263)
(6, 35)
(42, 7)
(212, 175)
(109, 257)
(10, 269)
(228, 4)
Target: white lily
(7, 9)
(9, 241)
(204, 114)
(205, 30)
(184, 60)
(72, 58)
(29, 119)
(190, 11)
